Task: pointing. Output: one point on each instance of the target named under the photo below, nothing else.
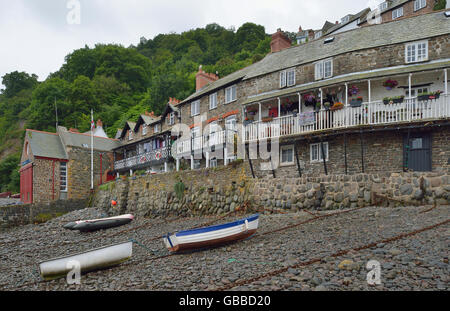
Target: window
(230, 123)
(195, 132)
(416, 91)
(291, 77)
(144, 129)
(213, 162)
(397, 13)
(382, 6)
(147, 147)
(419, 4)
(230, 94)
(130, 135)
(283, 79)
(287, 155)
(324, 69)
(416, 52)
(63, 176)
(171, 119)
(316, 152)
(195, 108)
(156, 128)
(317, 35)
(345, 19)
(212, 101)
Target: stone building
(58, 165)
(147, 143)
(370, 99)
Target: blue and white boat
(212, 236)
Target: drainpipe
(279, 107)
(53, 182)
(370, 90)
(299, 103)
(260, 112)
(445, 82)
(101, 168)
(346, 94)
(409, 85)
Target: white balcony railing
(183, 146)
(144, 158)
(373, 113)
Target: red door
(26, 185)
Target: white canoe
(95, 259)
(212, 236)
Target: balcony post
(225, 158)
(178, 164)
(409, 85)
(346, 94)
(166, 168)
(279, 107)
(207, 159)
(260, 112)
(192, 162)
(445, 82)
(321, 98)
(369, 90)
(299, 103)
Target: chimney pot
(279, 41)
(99, 123)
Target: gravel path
(419, 262)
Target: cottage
(58, 165)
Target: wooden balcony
(141, 160)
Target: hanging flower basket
(390, 84)
(354, 90)
(337, 106)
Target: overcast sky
(35, 35)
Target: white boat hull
(95, 259)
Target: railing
(144, 158)
(373, 113)
(183, 146)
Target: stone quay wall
(221, 190)
(18, 215)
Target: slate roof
(394, 32)
(352, 18)
(82, 140)
(43, 144)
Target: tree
(15, 82)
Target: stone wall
(79, 170)
(208, 191)
(217, 191)
(46, 180)
(17, 215)
(351, 191)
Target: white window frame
(412, 52)
(317, 35)
(397, 13)
(156, 128)
(319, 158)
(419, 4)
(65, 189)
(144, 129)
(172, 118)
(283, 79)
(213, 101)
(345, 19)
(130, 135)
(229, 124)
(288, 147)
(230, 91)
(213, 162)
(290, 77)
(195, 108)
(382, 6)
(320, 71)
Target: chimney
(99, 123)
(173, 101)
(279, 42)
(337, 23)
(311, 34)
(300, 29)
(202, 78)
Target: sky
(35, 36)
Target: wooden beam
(298, 162)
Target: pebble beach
(416, 262)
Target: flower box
(423, 97)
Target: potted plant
(327, 105)
(310, 99)
(387, 100)
(390, 84)
(337, 106)
(317, 106)
(424, 96)
(435, 95)
(354, 90)
(356, 102)
(398, 99)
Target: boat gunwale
(216, 227)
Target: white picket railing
(183, 146)
(373, 113)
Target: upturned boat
(211, 236)
(98, 224)
(99, 258)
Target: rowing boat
(212, 236)
(99, 258)
(98, 224)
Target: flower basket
(423, 97)
(390, 84)
(398, 100)
(337, 106)
(356, 102)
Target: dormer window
(130, 135)
(383, 6)
(156, 128)
(144, 129)
(172, 118)
(317, 35)
(345, 19)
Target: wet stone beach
(417, 262)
